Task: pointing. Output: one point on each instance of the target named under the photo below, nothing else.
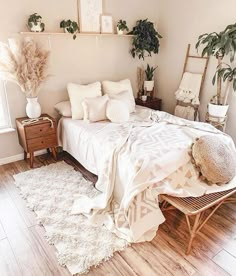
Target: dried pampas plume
(140, 79)
(25, 63)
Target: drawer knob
(41, 130)
(42, 142)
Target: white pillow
(112, 88)
(64, 108)
(117, 111)
(95, 108)
(78, 93)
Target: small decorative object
(149, 82)
(107, 24)
(24, 62)
(144, 98)
(121, 27)
(70, 27)
(214, 159)
(35, 24)
(140, 81)
(145, 40)
(220, 45)
(90, 12)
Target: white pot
(119, 32)
(148, 85)
(217, 110)
(36, 28)
(33, 108)
(144, 98)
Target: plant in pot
(146, 39)
(70, 27)
(220, 45)
(149, 82)
(25, 63)
(121, 27)
(35, 23)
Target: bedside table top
(40, 121)
(148, 100)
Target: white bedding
(135, 162)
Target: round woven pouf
(214, 159)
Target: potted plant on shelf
(145, 40)
(149, 82)
(70, 27)
(24, 62)
(35, 23)
(121, 27)
(220, 45)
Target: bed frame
(197, 207)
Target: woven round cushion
(214, 159)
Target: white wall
(84, 60)
(181, 22)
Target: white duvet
(135, 162)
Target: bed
(136, 162)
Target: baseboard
(18, 157)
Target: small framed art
(90, 12)
(107, 24)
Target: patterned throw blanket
(146, 158)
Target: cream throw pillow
(113, 88)
(95, 108)
(117, 111)
(64, 108)
(77, 93)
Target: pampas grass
(25, 63)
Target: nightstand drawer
(39, 130)
(42, 142)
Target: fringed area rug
(50, 192)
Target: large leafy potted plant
(220, 45)
(145, 40)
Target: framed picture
(90, 12)
(107, 24)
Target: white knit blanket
(141, 161)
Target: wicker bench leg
(192, 230)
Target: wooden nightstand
(37, 136)
(154, 103)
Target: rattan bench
(197, 207)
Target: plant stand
(217, 122)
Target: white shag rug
(50, 192)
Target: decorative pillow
(117, 111)
(113, 88)
(95, 108)
(78, 93)
(64, 108)
(214, 159)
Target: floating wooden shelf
(79, 34)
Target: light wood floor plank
(230, 247)
(226, 261)
(8, 264)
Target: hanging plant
(145, 40)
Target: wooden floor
(23, 250)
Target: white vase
(217, 110)
(33, 108)
(36, 27)
(144, 98)
(148, 85)
(119, 32)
